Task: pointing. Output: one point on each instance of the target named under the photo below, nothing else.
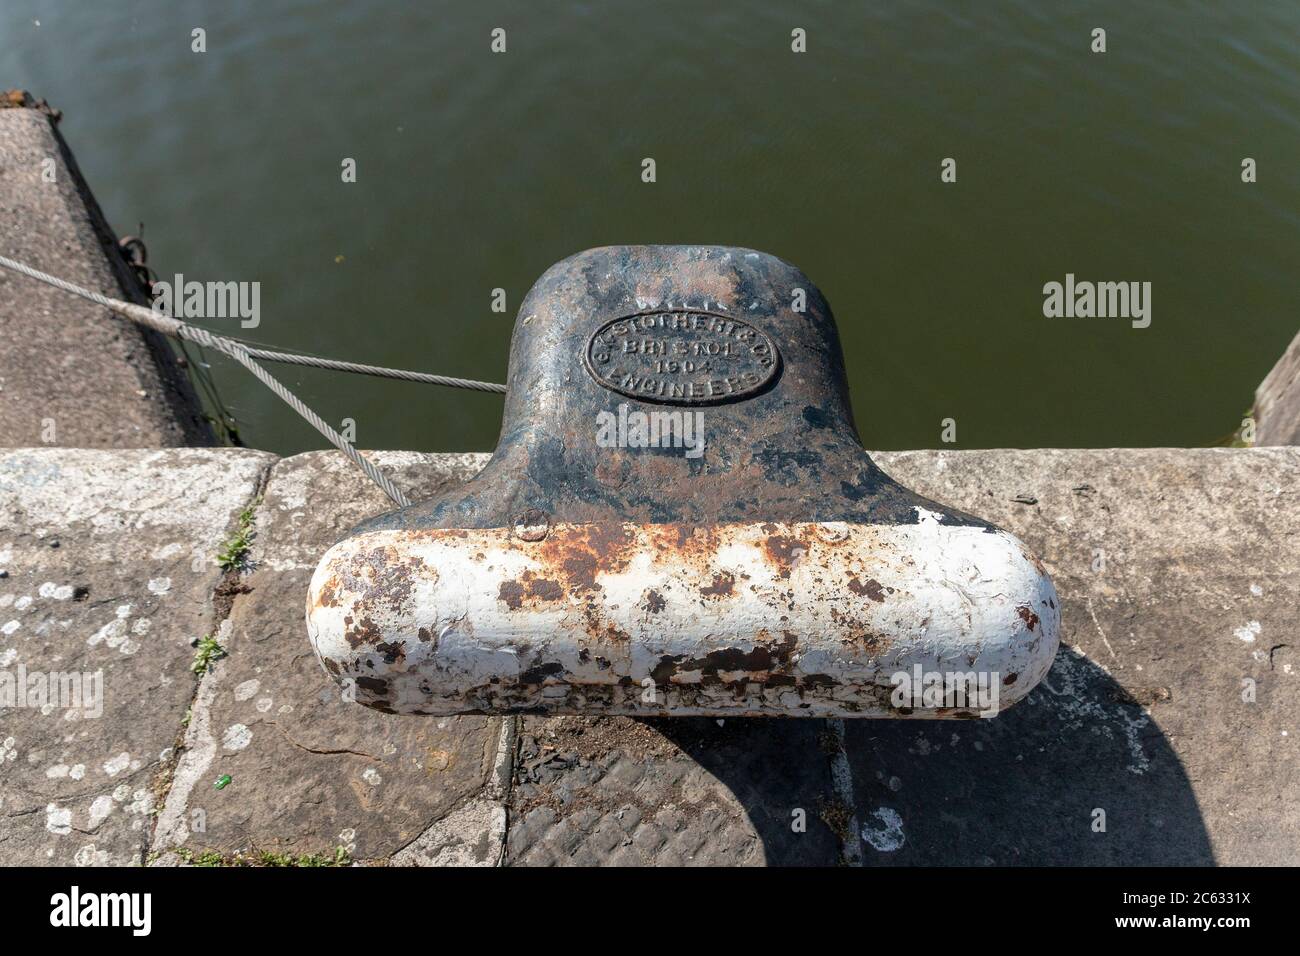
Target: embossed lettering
(682, 357)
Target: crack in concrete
(495, 792)
(842, 781)
(196, 747)
(503, 775)
(311, 750)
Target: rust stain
(1028, 616)
(329, 594)
(380, 576)
(394, 653)
(545, 590)
(514, 593)
(724, 585)
(784, 551)
(764, 662)
(871, 589)
(361, 633)
(577, 555)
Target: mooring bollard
(680, 519)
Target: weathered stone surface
(1277, 400)
(310, 771)
(106, 567)
(1179, 580)
(471, 835)
(61, 355)
(1142, 715)
(1177, 571)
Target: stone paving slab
(310, 771)
(72, 374)
(107, 567)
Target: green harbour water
(476, 171)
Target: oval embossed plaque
(682, 357)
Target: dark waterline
(477, 171)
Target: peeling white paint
(944, 597)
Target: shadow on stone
(1023, 788)
(778, 769)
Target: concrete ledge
(72, 374)
(1277, 400)
(1170, 709)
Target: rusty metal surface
(788, 453)
(777, 571)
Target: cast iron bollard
(607, 560)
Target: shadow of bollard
(1078, 774)
(778, 769)
(1034, 786)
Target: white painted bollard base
(802, 619)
